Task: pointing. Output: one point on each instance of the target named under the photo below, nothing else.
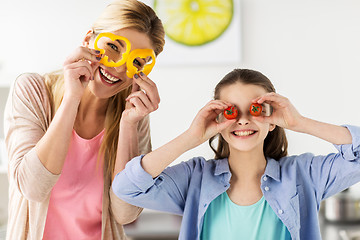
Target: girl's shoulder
(201, 164)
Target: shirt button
(265, 178)
(267, 188)
(280, 211)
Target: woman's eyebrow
(122, 45)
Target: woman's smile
(108, 78)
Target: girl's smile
(243, 133)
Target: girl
(62, 132)
(252, 189)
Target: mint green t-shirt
(226, 220)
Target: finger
(151, 106)
(135, 87)
(139, 105)
(83, 53)
(144, 77)
(81, 67)
(150, 89)
(270, 97)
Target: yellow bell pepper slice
(105, 59)
(142, 53)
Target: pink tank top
(75, 207)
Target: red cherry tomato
(230, 112)
(255, 109)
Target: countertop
(153, 225)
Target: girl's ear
(272, 127)
(87, 38)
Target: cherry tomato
(255, 109)
(230, 112)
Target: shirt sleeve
(27, 116)
(167, 192)
(337, 171)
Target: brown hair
(275, 143)
(119, 14)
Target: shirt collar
(273, 169)
(222, 166)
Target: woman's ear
(272, 127)
(87, 38)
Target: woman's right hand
(79, 69)
(205, 124)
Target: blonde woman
(62, 133)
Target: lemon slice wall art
(199, 31)
(194, 22)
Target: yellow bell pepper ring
(142, 53)
(105, 59)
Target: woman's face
(246, 134)
(109, 81)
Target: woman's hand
(205, 124)
(79, 69)
(284, 113)
(143, 99)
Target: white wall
(309, 49)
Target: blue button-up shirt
(294, 186)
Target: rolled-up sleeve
(335, 172)
(167, 192)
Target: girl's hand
(144, 99)
(205, 124)
(79, 69)
(284, 113)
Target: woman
(62, 133)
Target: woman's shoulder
(29, 90)
(30, 82)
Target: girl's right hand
(205, 124)
(79, 69)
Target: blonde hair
(118, 15)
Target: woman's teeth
(108, 78)
(243, 133)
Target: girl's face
(246, 134)
(109, 81)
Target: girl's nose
(243, 119)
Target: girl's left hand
(143, 99)
(284, 113)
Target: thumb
(94, 66)
(135, 87)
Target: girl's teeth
(110, 79)
(243, 133)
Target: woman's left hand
(143, 99)
(284, 113)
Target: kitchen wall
(309, 49)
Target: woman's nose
(121, 68)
